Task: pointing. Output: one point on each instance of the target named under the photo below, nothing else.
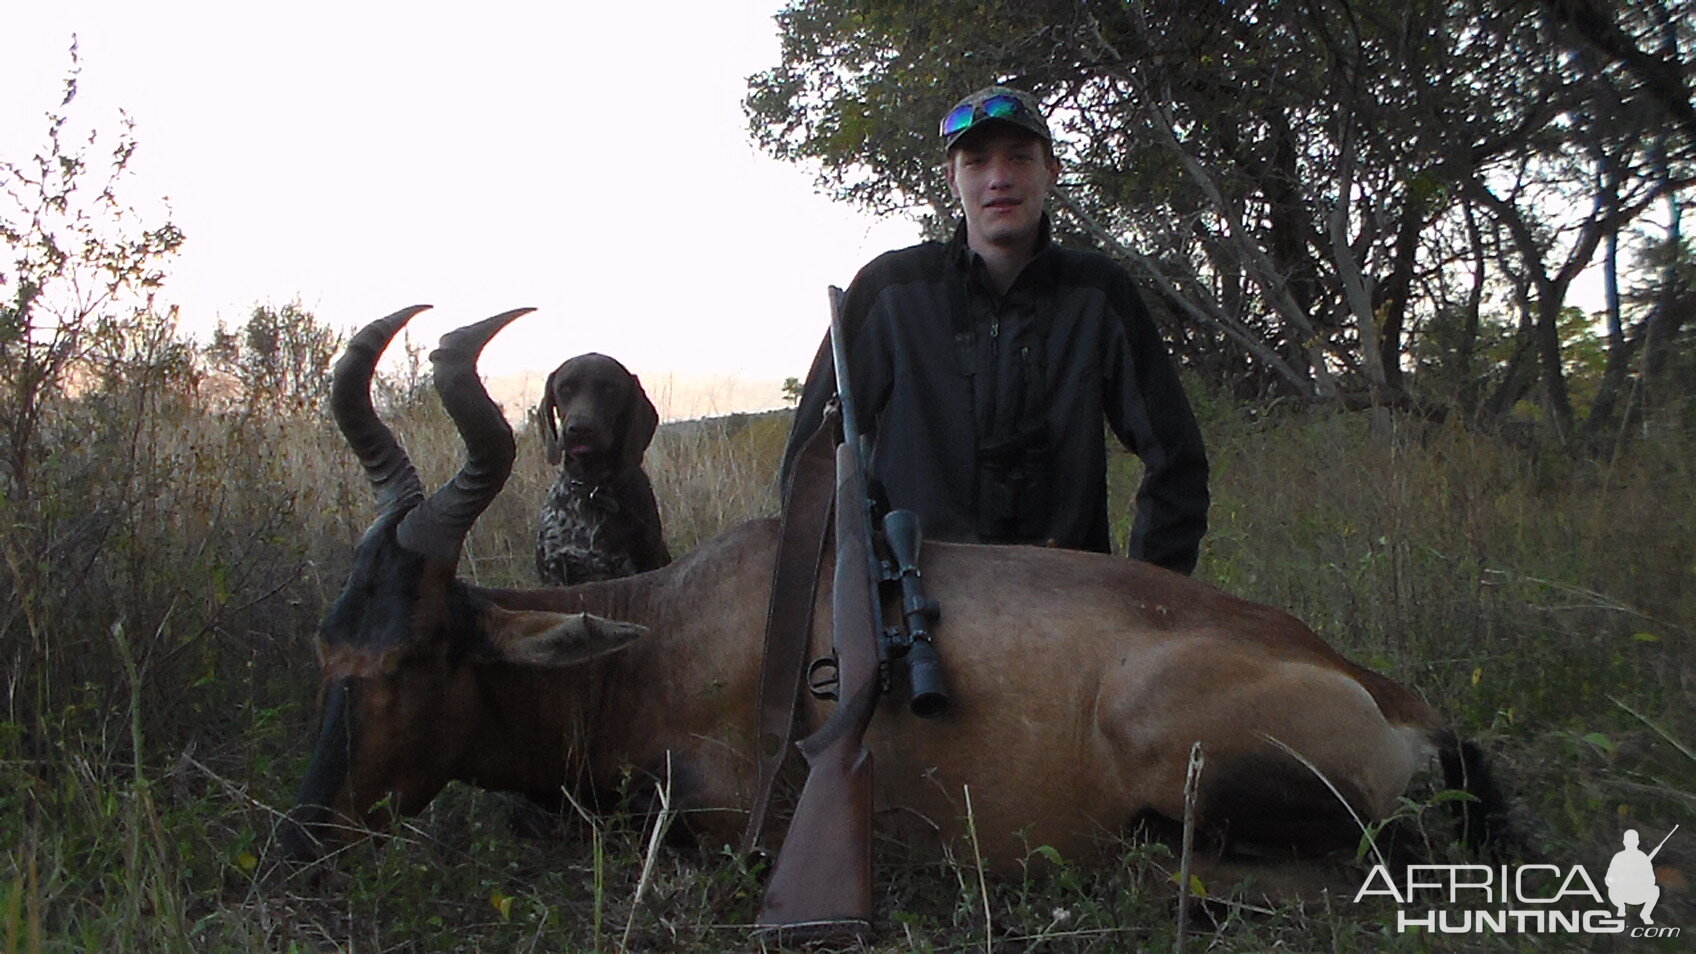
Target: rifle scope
(924, 668)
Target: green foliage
(1316, 192)
(279, 361)
(862, 85)
(1584, 356)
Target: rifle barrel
(1657, 850)
(839, 356)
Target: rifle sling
(807, 503)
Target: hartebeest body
(1079, 681)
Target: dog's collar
(596, 494)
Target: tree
(78, 272)
(280, 359)
(1642, 37)
(1303, 187)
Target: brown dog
(600, 520)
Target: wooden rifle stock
(821, 885)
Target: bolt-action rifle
(821, 884)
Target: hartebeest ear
(543, 638)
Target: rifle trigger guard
(824, 679)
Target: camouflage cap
(995, 104)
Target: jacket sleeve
(1151, 416)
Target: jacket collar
(1039, 268)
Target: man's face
(1002, 176)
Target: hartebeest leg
(1299, 756)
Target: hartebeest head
(402, 646)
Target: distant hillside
(726, 425)
(679, 396)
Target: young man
(983, 368)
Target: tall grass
(1545, 602)
(159, 679)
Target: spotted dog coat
(578, 535)
(600, 520)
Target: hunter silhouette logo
(1527, 898)
(1631, 877)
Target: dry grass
(159, 681)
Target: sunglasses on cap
(967, 115)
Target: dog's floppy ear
(640, 422)
(547, 420)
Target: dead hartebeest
(1079, 681)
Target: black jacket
(984, 411)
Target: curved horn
(438, 526)
(386, 464)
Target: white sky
(589, 159)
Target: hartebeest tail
(1078, 682)
(1483, 818)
